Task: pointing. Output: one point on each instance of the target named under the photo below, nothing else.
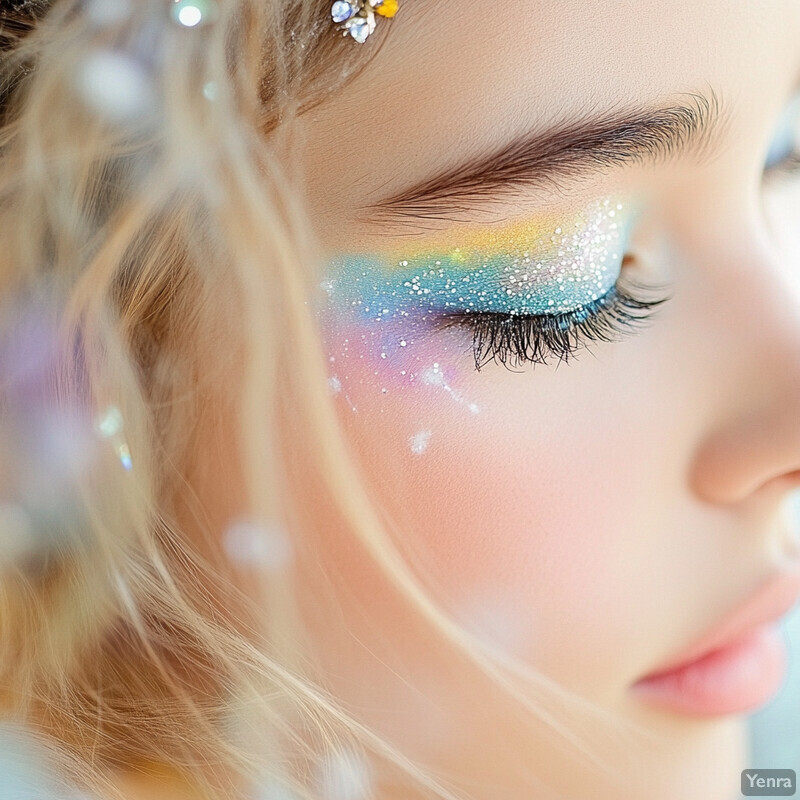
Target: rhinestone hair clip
(357, 17)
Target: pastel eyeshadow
(533, 267)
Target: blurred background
(776, 728)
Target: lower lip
(733, 680)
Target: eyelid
(530, 268)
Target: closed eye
(516, 339)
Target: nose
(750, 445)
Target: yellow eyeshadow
(464, 244)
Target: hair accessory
(357, 17)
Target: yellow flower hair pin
(357, 17)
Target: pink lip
(735, 667)
(732, 680)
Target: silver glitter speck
(419, 442)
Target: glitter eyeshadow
(533, 267)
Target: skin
(592, 518)
(611, 510)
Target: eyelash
(789, 165)
(514, 339)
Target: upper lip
(766, 605)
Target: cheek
(371, 364)
(480, 472)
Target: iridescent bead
(192, 13)
(360, 29)
(341, 10)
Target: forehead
(452, 79)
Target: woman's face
(594, 517)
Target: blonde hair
(156, 239)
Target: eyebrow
(546, 159)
